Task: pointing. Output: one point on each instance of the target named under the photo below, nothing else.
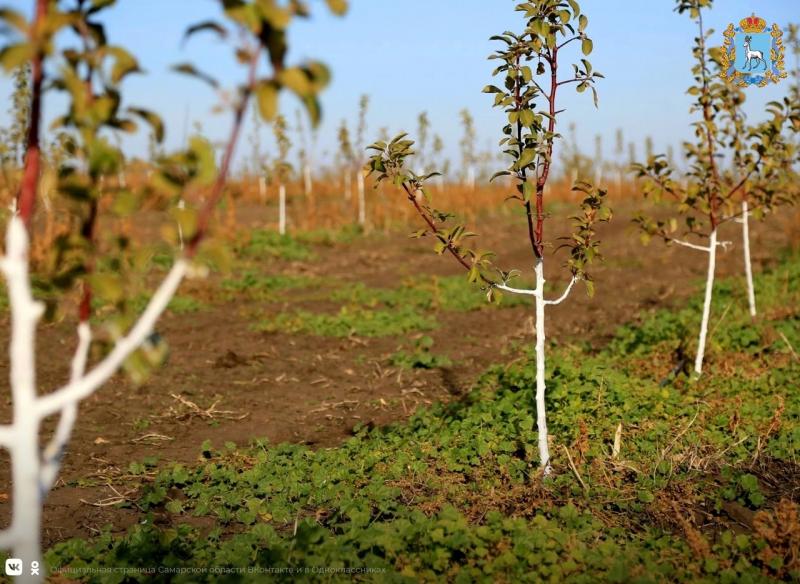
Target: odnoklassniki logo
(753, 54)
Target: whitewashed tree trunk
(541, 413)
(541, 366)
(471, 178)
(748, 267)
(307, 182)
(712, 264)
(282, 210)
(181, 206)
(348, 185)
(362, 200)
(262, 189)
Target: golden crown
(753, 24)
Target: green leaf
(587, 46)
(125, 204)
(277, 16)
(208, 25)
(314, 110)
(192, 71)
(527, 118)
(13, 56)
(267, 99)
(98, 5)
(338, 7)
(153, 119)
(125, 64)
(15, 19)
(206, 160)
(526, 158)
(296, 80)
(527, 190)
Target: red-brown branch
(708, 119)
(429, 220)
(87, 232)
(88, 227)
(204, 219)
(551, 127)
(26, 197)
(523, 172)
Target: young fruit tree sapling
(529, 139)
(760, 160)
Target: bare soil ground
(226, 382)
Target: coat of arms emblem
(753, 54)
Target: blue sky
(415, 55)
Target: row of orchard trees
(474, 165)
(760, 177)
(90, 70)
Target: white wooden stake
(712, 264)
(362, 200)
(282, 210)
(748, 267)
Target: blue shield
(757, 59)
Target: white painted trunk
(308, 184)
(181, 205)
(27, 503)
(541, 413)
(262, 189)
(471, 178)
(712, 264)
(748, 267)
(348, 185)
(362, 200)
(24, 448)
(282, 210)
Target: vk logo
(13, 567)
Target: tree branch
(204, 218)
(566, 81)
(102, 372)
(54, 451)
(568, 41)
(515, 290)
(26, 197)
(690, 245)
(563, 297)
